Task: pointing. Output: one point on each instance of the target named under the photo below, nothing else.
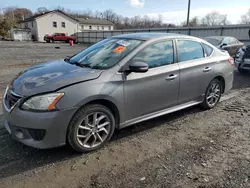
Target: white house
(57, 21)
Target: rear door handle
(171, 77)
(207, 69)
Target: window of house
(189, 50)
(157, 55)
(109, 27)
(209, 50)
(32, 24)
(90, 27)
(26, 25)
(54, 24)
(98, 28)
(63, 24)
(102, 27)
(82, 27)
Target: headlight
(42, 102)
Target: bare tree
(245, 18)
(214, 18)
(109, 15)
(40, 10)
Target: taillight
(231, 61)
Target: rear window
(209, 50)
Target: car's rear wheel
(213, 94)
(91, 128)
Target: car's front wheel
(213, 94)
(91, 128)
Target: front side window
(54, 24)
(105, 54)
(226, 41)
(189, 50)
(157, 55)
(233, 40)
(98, 28)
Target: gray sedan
(113, 84)
(230, 44)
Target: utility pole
(188, 13)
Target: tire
(242, 71)
(77, 136)
(211, 102)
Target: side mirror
(223, 45)
(138, 66)
(67, 58)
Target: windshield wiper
(81, 65)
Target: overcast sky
(173, 11)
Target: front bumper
(245, 64)
(38, 129)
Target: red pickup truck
(59, 37)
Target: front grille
(37, 134)
(246, 65)
(11, 99)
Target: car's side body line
(159, 113)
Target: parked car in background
(59, 37)
(115, 83)
(230, 44)
(242, 59)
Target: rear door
(196, 70)
(156, 89)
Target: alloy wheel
(93, 130)
(214, 93)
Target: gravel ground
(186, 149)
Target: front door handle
(171, 77)
(207, 69)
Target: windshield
(214, 41)
(106, 53)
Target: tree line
(10, 16)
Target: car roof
(149, 36)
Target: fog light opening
(19, 134)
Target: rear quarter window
(209, 50)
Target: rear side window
(157, 55)
(189, 50)
(208, 49)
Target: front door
(196, 71)
(156, 89)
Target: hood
(46, 77)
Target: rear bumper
(40, 130)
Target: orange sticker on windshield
(119, 49)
